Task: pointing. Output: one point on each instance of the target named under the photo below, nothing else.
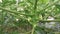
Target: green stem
(33, 30)
(56, 20)
(35, 5)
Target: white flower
(17, 19)
(29, 19)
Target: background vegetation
(29, 16)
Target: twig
(35, 7)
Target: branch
(14, 12)
(56, 20)
(35, 6)
(11, 11)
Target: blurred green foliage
(23, 16)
